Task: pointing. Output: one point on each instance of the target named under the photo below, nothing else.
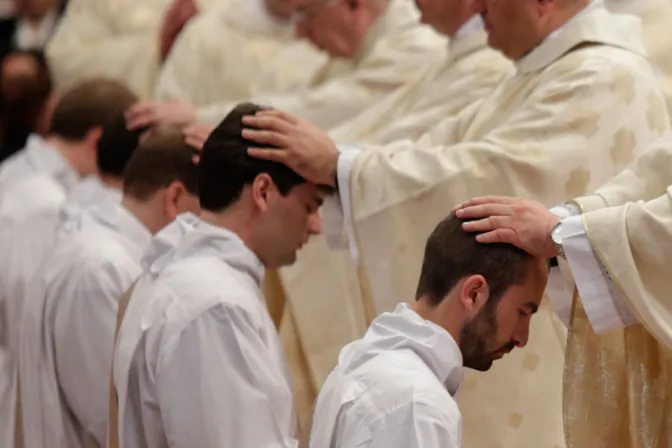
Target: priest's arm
(543, 149)
(615, 243)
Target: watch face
(555, 234)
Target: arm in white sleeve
(414, 426)
(209, 385)
(84, 337)
(604, 305)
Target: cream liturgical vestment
(234, 53)
(198, 361)
(618, 374)
(582, 105)
(465, 76)
(117, 39)
(68, 327)
(394, 52)
(656, 17)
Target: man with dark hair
(198, 361)
(35, 185)
(395, 387)
(69, 150)
(68, 330)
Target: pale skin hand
(177, 15)
(151, 113)
(521, 222)
(303, 147)
(196, 134)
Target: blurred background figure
(26, 99)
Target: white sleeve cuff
(338, 223)
(605, 307)
(560, 281)
(559, 296)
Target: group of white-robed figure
(580, 103)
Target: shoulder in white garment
(393, 388)
(197, 342)
(81, 281)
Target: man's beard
(477, 337)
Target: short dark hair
(159, 161)
(225, 167)
(91, 103)
(116, 146)
(452, 254)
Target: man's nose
(522, 336)
(315, 224)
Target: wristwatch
(556, 236)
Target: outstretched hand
(196, 134)
(521, 222)
(151, 113)
(301, 146)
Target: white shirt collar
(405, 329)
(594, 24)
(188, 236)
(47, 159)
(34, 36)
(471, 26)
(470, 37)
(119, 218)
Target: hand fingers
(274, 155)
(285, 116)
(267, 122)
(142, 112)
(144, 136)
(266, 138)
(483, 210)
(149, 118)
(194, 142)
(488, 224)
(507, 236)
(485, 200)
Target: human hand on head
(196, 134)
(151, 113)
(521, 222)
(302, 146)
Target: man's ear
(262, 190)
(93, 136)
(474, 294)
(172, 196)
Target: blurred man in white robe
(198, 361)
(465, 75)
(612, 246)
(583, 104)
(396, 386)
(31, 208)
(238, 52)
(65, 358)
(124, 40)
(376, 46)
